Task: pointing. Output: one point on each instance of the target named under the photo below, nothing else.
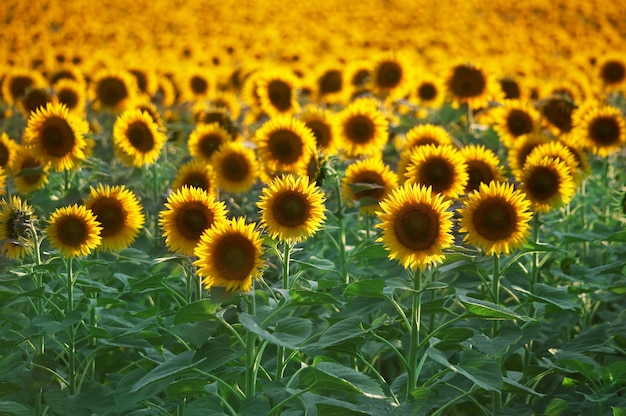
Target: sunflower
(363, 129)
(470, 84)
(3, 180)
(17, 82)
(496, 218)
(167, 92)
(229, 255)
(440, 167)
(514, 119)
(206, 113)
(511, 88)
(291, 208)
(368, 181)
(189, 212)
(358, 74)
(323, 124)
(72, 94)
(137, 139)
(420, 135)
(8, 149)
(29, 173)
(557, 110)
(228, 101)
(33, 100)
(522, 147)
(330, 84)
(557, 149)
(74, 231)
(16, 219)
(197, 84)
(391, 75)
(119, 213)
(277, 92)
(236, 167)
(428, 91)
(547, 182)
(113, 90)
(56, 137)
(603, 129)
(283, 143)
(197, 174)
(416, 225)
(66, 72)
(206, 139)
(612, 71)
(483, 166)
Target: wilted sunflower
(236, 167)
(74, 231)
(291, 208)
(277, 92)
(470, 84)
(119, 213)
(283, 143)
(229, 255)
(416, 225)
(56, 137)
(197, 174)
(547, 182)
(362, 128)
(613, 71)
(137, 138)
(206, 139)
(368, 181)
(72, 94)
(514, 119)
(8, 149)
(392, 77)
(323, 124)
(16, 219)
(603, 129)
(113, 90)
(496, 218)
(29, 173)
(483, 166)
(189, 212)
(420, 135)
(440, 167)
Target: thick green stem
(416, 317)
(251, 351)
(342, 233)
(496, 395)
(280, 353)
(71, 332)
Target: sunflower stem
(342, 233)
(416, 317)
(470, 118)
(71, 351)
(534, 272)
(280, 354)
(155, 195)
(251, 350)
(66, 181)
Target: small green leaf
(170, 368)
(618, 411)
(363, 383)
(289, 332)
(202, 310)
(556, 407)
(475, 366)
(340, 332)
(618, 372)
(10, 408)
(551, 295)
(371, 251)
(372, 288)
(316, 263)
(488, 309)
(186, 388)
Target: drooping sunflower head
(29, 173)
(236, 167)
(119, 213)
(206, 139)
(483, 166)
(470, 84)
(496, 218)
(137, 139)
(602, 129)
(291, 208)
(189, 212)
(363, 129)
(56, 137)
(277, 92)
(229, 255)
(547, 182)
(416, 225)
(283, 143)
(17, 219)
(74, 231)
(368, 181)
(515, 119)
(323, 125)
(197, 174)
(441, 167)
(113, 90)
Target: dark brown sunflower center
(427, 91)
(68, 97)
(142, 80)
(518, 122)
(417, 227)
(495, 219)
(279, 93)
(72, 232)
(192, 219)
(613, 72)
(372, 182)
(62, 74)
(197, 180)
(478, 172)
(467, 82)
(35, 99)
(235, 168)
(57, 137)
(4, 155)
(111, 214)
(438, 173)
(290, 209)
(604, 131)
(330, 82)
(140, 136)
(360, 129)
(198, 85)
(389, 75)
(111, 91)
(559, 113)
(234, 257)
(543, 183)
(359, 79)
(510, 88)
(285, 146)
(18, 86)
(321, 131)
(425, 141)
(210, 143)
(27, 164)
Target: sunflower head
(601, 128)
(114, 90)
(17, 220)
(197, 174)
(363, 129)
(515, 119)
(229, 255)
(323, 125)
(277, 92)
(470, 84)
(283, 143)
(137, 139)
(291, 208)
(236, 167)
(547, 182)
(440, 167)
(557, 110)
(392, 75)
(206, 139)
(74, 231)
(483, 166)
(613, 71)
(29, 172)
(8, 149)
(368, 181)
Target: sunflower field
(386, 207)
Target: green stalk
(155, 195)
(416, 317)
(342, 233)
(71, 331)
(280, 353)
(496, 395)
(250, 351)
(534, 272)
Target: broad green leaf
(618, 372)
(204, 406)
(52, 326)
(202, 310)
(488, 309)
(316, 263)
(10, 408)
(371, 288)
(556, 407)
(339, 332)
(551, 295)
(289, 332)
(186, 388)
(476, 367)
(362, 382)
(372, 251)
(255, 406)
(618, 411)
(514, 386)
(170, 368)
(216, 353)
